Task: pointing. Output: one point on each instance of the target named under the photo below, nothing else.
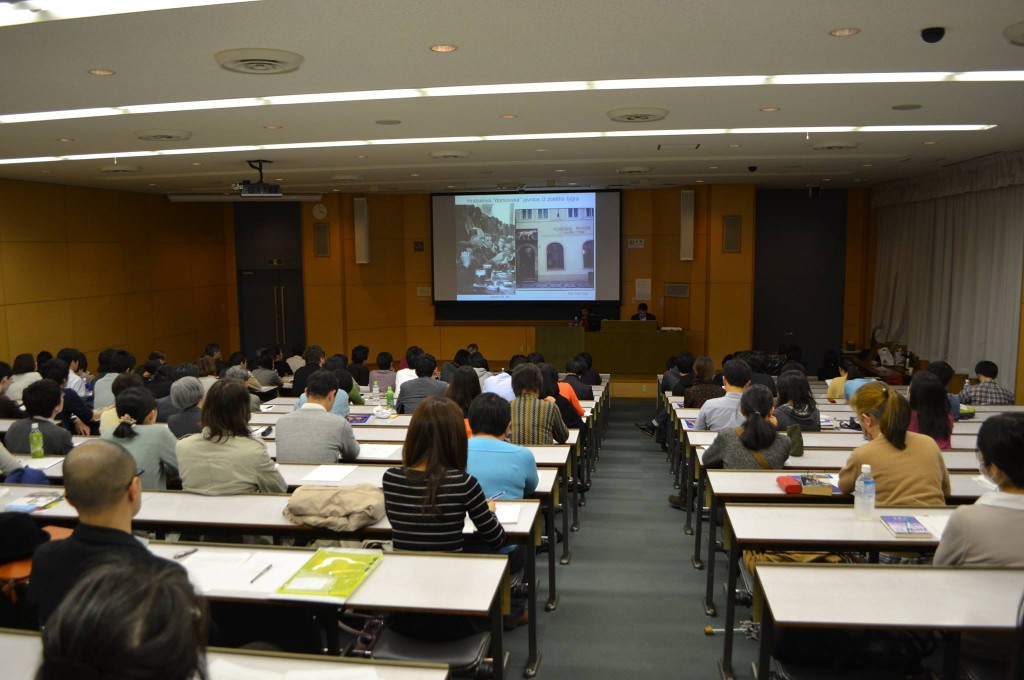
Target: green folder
(332, 573)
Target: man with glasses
(102, 482)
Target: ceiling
(168, 56)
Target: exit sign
(635, 243)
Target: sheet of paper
(507, 513)
(41, 463)
(336, 672)
(222, 669)
(230, 573)
(380, 451)
(329, 473)
(935, 524)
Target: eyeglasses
(138, 473)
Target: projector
(259, 189)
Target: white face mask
(981, 468)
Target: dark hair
(436, 440)
(888, 406)
(345, 380)
(473, 347)
(122, 361)
(384, 361)
(477, 360)
(517, 360)
(535, 358)
(1001, 440)
(157, 355)
(793, 366)
(852, 370)
(265, 360)
(704, 368)
(642, 307)
(135, 403)
(342, 358)
(794, 389)
(140, 620)
(670, 363)
(237, 359)
(152, 369)
(56, 370)
(41, 398)
(103, 360)
(43, 357)
(207, 366)
(212, 349)
(313, 354)
(321, 383)
(943, 371)
(527, 378)
(490, 414)
(334, 364)
(360, 353)
(737, 372)
(24, 363)
(425, 365)
(298, 349)
(929, 400)
(5, 370)
(576, 366)
(70, 354)
(549, 380)
(97, 474)
(225, 411)
(754, 361)
(684, 362)
(411, 354)
(587, 358)
(987, 369)
(461, 357)
(463, 388)
(125, 381)
(755, 405)
(830, 359)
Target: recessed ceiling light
(415, 174)
(542, 150)
(735, 146)
(335, 189)
(572, 184)
(906, 107)
(44, 172)
(151, 184)
(278, 179)
(843, 32)
(559, 170)
(867, 165)
(359, 155)
(769, 109)
(487, 172)
(101, 72)
(508, 116)
(443, 48)
(195, 163)
(827, 179)
(929, 143)
(65, 139)
(712, 167)
(388, 121)
(450, 186)
(700, 181)
(271, 127)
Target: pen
(263, 571)
(496, 496)
(184, 553)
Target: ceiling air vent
(644, 115)
(834, 146)
(449, 154)
(162, 135)
(259, 61)
(633, 170)
(677, 290)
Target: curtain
(948, 275)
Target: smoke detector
(259, 61)
(834, 145)
(449, 154)
(633, 170)
(162, 135)
(639, 115)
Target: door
(270, 308)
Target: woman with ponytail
(907, 466)
(151, 445)
(756, 444)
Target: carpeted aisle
(630, 600)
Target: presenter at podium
(641, 313)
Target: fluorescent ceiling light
(37, 11)
(522, 88)
(503, 138)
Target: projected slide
(525, 247)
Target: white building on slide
(554, 247)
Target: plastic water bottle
(35, 441)
(390, 397)
(375, 393)
(864, 494)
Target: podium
(621, 347)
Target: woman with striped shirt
(427, 500)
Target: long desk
(810, 527)
(944, 599)
(21, 651)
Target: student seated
(908, 467)
(312, 434)
(225, 459)
(535, 421)
(422, 386)
(427, 500)
(449, 367)
(25, 374)
(572, 414)
(929, 409)
(837, 386)
(341, 406)
(590, 376)
(756, 444)
(208, 373)
(152, 446)
(829, 365)
(944, 372)
(481, 367)
(109, 418)
(796, 403)
(854, 381)
(314, 357)
(685, 378)
(264, 371)
(8, 409)
(463, 389)
(758, 374)
(383, 375)
(574, 370)
(407, 368)
(358, 368)
(75, 415)
(187, 395)
(241, 374)
(987, 391)
(296, 360)
(77, 366)
(102, 482)
(724, 412)
(703, 387)
(139, 620)
(43, 400)
(501, 384)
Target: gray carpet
(630, 600)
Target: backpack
(27, 475)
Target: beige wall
(94, 269)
